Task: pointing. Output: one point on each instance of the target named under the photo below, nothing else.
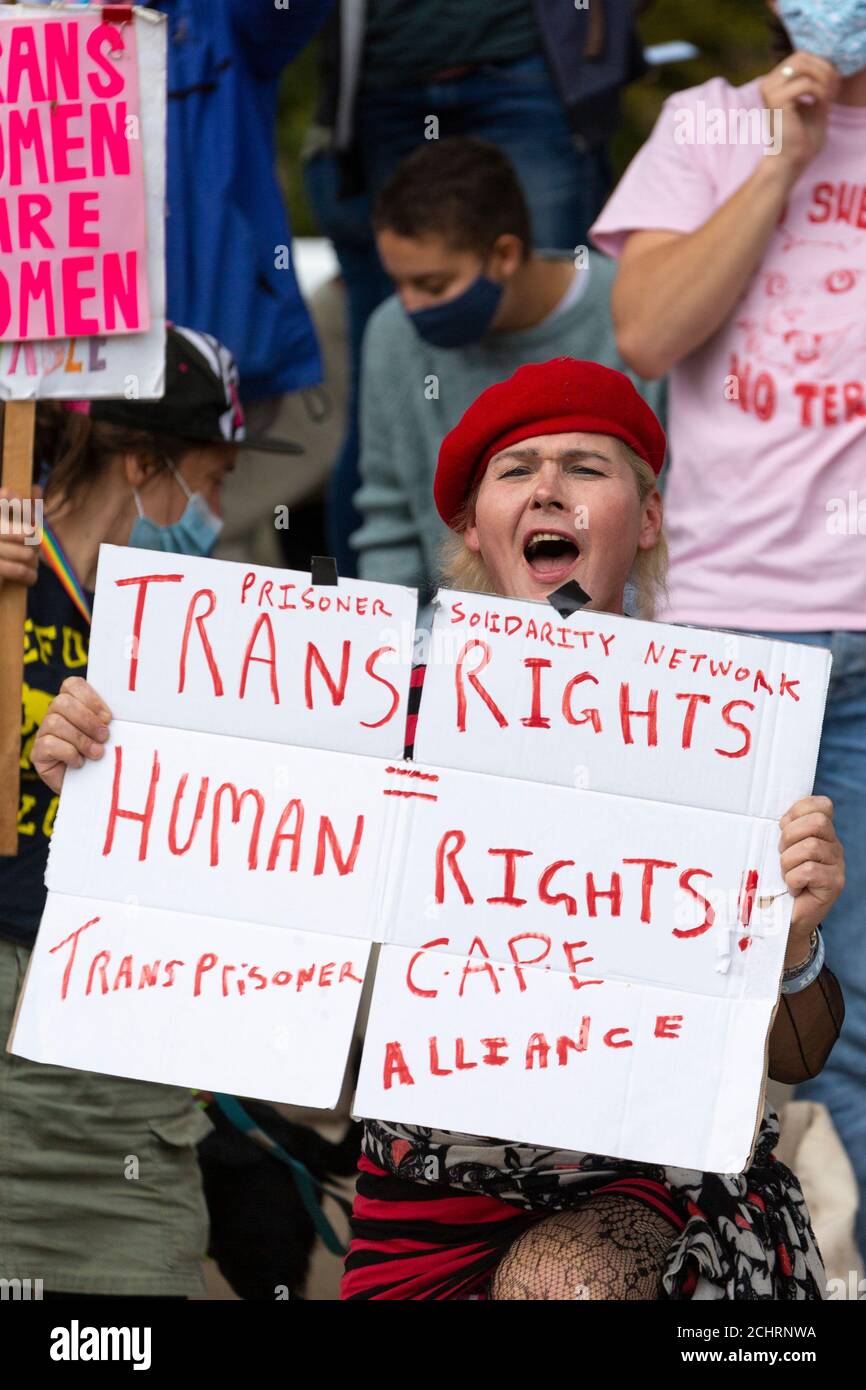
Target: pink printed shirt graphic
(767, 419)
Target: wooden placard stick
(17, 475)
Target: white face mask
(833, 29)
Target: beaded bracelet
(801, 976)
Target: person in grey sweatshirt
(474, 301)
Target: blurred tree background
(732, 35)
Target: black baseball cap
(201, 401)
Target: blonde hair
(462, 568)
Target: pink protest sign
(72, 204)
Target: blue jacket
(226, 216)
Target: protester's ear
(651, 520)
(506, 255)
(134, 470)
(466, 524)
(138, 468)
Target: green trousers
(100, 1190)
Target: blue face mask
(834, 29)
(196, 532)
(462, 320)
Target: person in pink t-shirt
(740, 229)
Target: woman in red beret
(549, 477)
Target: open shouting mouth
(550, 555)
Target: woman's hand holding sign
(813, 863)
(19, 552)
(74, 728)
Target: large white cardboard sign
(583, 966)
(73, 181)
(181, 941)
(602, 951)
(607, 980)
(179, 996)
(643, 1073)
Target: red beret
(555, 397)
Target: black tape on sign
(323, 570)
(567, 599)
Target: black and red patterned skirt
(435, 1213)
(426, 1241)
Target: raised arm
(808, 1021)
(674, 290)
(805, 1029)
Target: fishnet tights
(610, 1248)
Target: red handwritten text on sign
(260, 650)
(636, 714)
(446, 1057)
(225, 799)
(206, 976)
